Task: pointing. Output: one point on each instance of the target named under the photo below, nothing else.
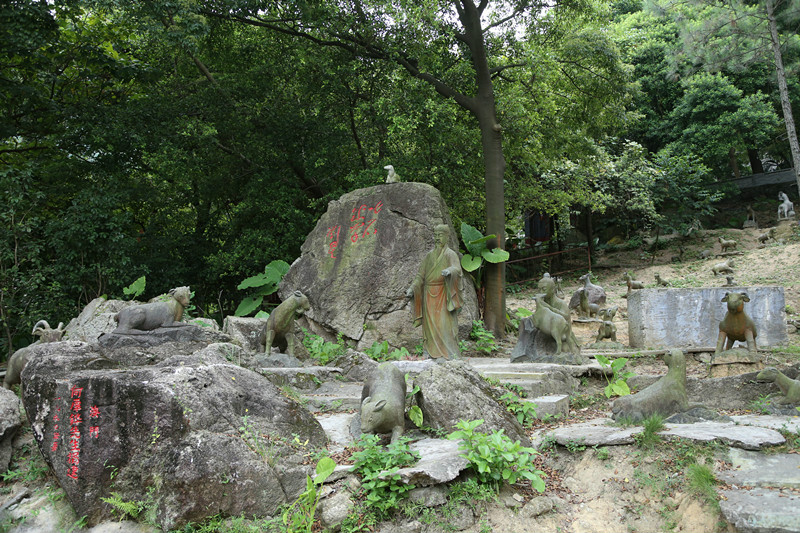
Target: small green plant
(122, 507)
(761, 404)
(261, 285)
(254, 441)
(135, 289)
(28, 469)
(702, 482)
(321, 350)
(379, 351)
(603, 454)
(524, 411)
(575, 445)
(299, 516)
(617, 384)
(650, 437)
(415, 414)
(382, 486)
(495, 458)
(484, 340)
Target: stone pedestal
(734, 362)
(534, 346)
(666, 318)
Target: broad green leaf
(415, 414)
(495, 256)
(254, 281)
(325, 468)
(261, 314)
(281, 266)
(603, 360)
(469, 235)
(136, 288)
(470, 263)
(538, 484)
(248, 305)
(620, 388)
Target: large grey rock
(733, 392)
(95, 319)
(761, 510)
(357, 263)
(247, 332)
(534, 346)
(787, 423)
(691, 317)
(598, 432)
(452, 391)
(747, 437)
(142, 349)
(10, 422)
(170, 433)
(440, 462)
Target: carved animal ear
(725, 298)
(745, 297)
(172, 291)
(379, 405)
(298, 294)
(365, 400)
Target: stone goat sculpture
(767, 235)
(726, 243)
(383, 401)
(280, 324)
(786, 209)
(586, 309)
(660, 281)
(142, 318)
(665, 397)
(726, 267)
(608, 314)
(595, 293)
(632, 284)
(554, 324)
(790, 388)
(20, 358)
(607, 330)
(736, 326)
(392, 176)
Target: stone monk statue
(437, 299)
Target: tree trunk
(755, 162)
(734, 163)
(786, 104)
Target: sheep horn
(60, 326)
(38, 324)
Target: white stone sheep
(726, 267)
(726, 243)
(139, 319)
(20, 358)
(554, 324)
(392, 176)
(786, 208)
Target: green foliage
(415, 414)
(575, 445)
(525, 412)
(649, 437)
(321, 350)
(262, 285)
(494, 458)
(484, 339)
(382, 487)
(135, 289)
(617, 384)
(122, 507)
(478, 252)
(379, 351)
(299, 516)
(702, 482)
(761, 404)
(26, 468)
(255, 441)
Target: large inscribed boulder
(193, 435)
(357, 263)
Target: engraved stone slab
(691, 317)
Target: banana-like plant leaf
(470, 263)
(495, 256)
(248, 305)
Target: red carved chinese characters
(364, 221)
(333, 236)
(74, 455)
(56, 434)
(94, 414)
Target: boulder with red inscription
(190, 437)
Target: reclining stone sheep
(790, 388)
(280, 324)
(726, 243)
(20, 358)
(736, 326)
(142, 318)
(554, 324)
(665, 397)
(726, 267)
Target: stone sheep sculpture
(608, 314)
(726, 243)
(632, 284)
(665, 397)
(726, 267)
(790, 388)
(786, 209)
(19, 359)
(767, 235)
(554, 324)
(595, 293)
(143, 318)
(383, 401)
(660, 281)
(586, 309)
(736, 326)
(607, 330)
(280, 324)
(392, 176)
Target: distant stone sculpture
(608, 314)
(632, 284)
(705, 254)
(750, 222)
(729, 282)
(587, 309)
(392, 176)
(736, 326)
(790, 388)
(437, 299)
(280, 324)
(726, 267)
(607, 330)
(726, 243)
(786, 209)
(660, 281)
(595, 293)
(383, 401)
(665, 397)
(140, 319)
(553, 323)
(19, 359)
(767, 235)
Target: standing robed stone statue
(437, 299)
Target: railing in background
(523, 269)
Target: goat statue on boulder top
(143, 318)
(20, 358)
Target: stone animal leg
(557, 338)
(729, 344)
(614, 336)
(721, 341)
(268, 341)
(397, 432)
(751, 341)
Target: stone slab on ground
(306, 378)
(334, 396)
(496, 364)
(598, 432)
(553, 405)
(776, 422)
(691, 317)
(439, 462)
(762, 470)
(761, 510)
(337, 429)
(747, 437)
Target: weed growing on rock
(617, 384)
(379, 351)
(321, 350)
(299, 516)
(650, 437)
(495, 458)
(524, 411)
(467, 493)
